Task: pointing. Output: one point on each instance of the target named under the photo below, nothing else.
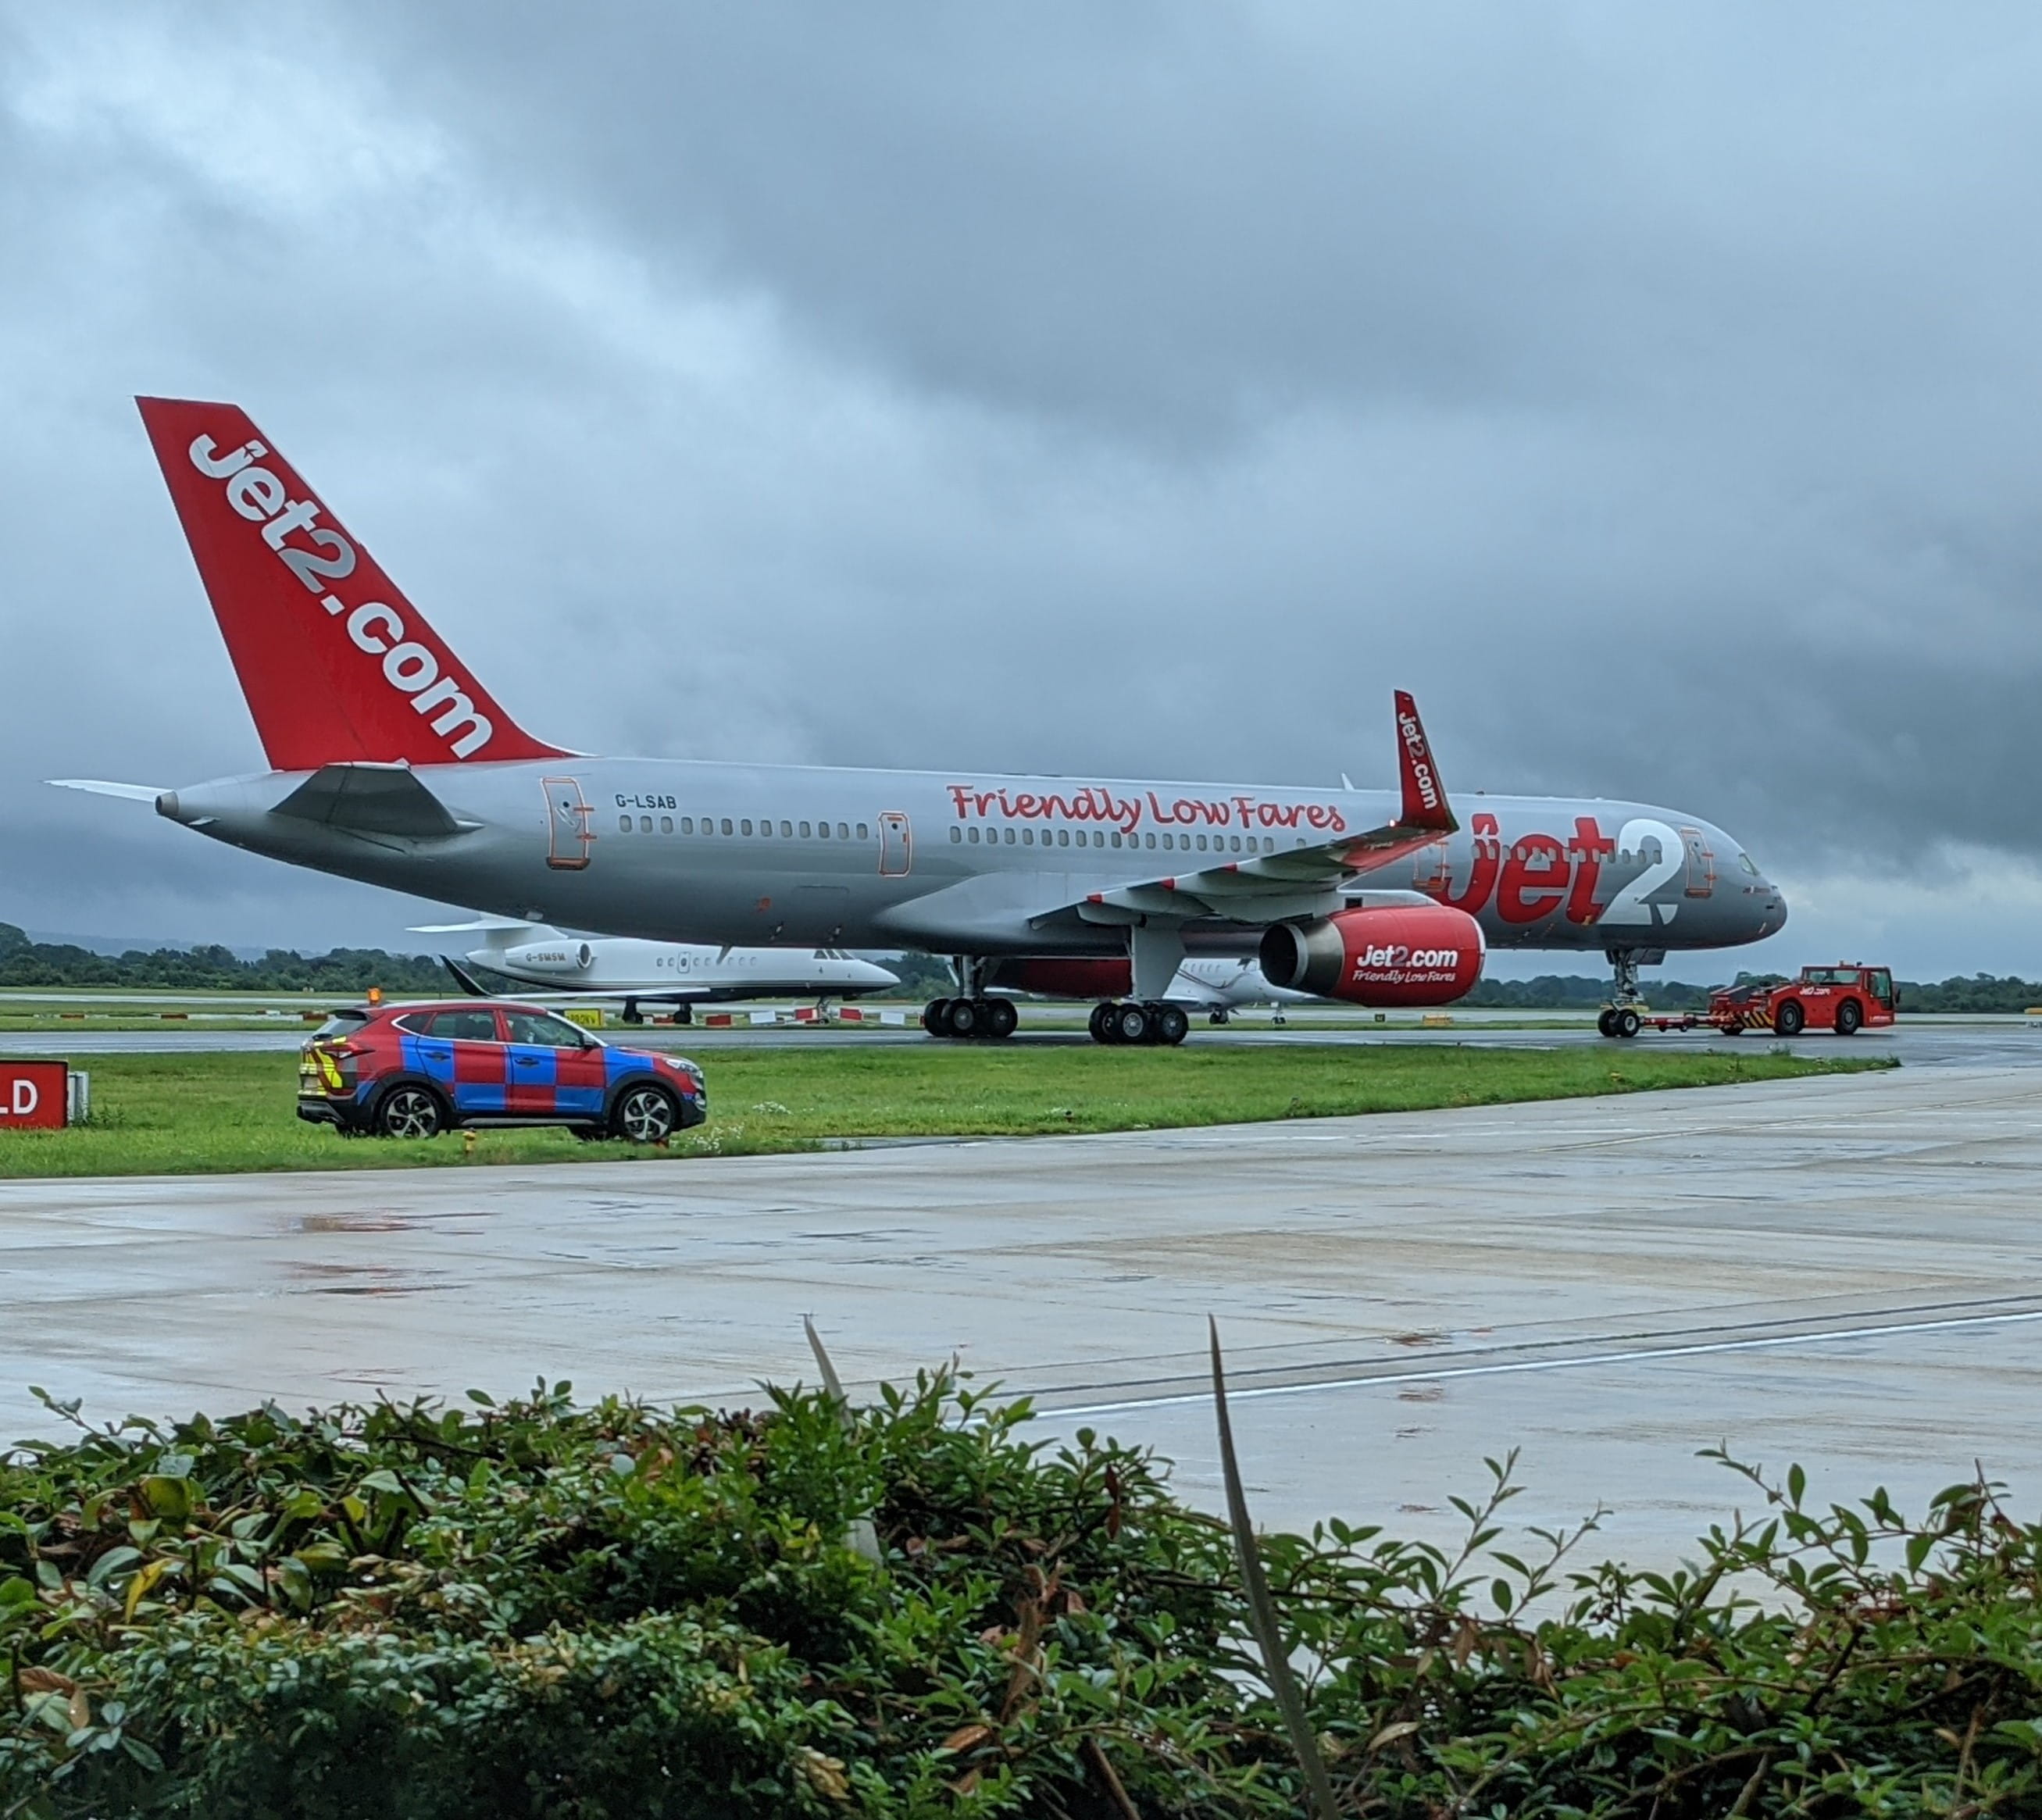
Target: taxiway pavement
(1846, 1271)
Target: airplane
(1218, 984)
(681, 974)
(389, 762)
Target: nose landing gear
(1624, 1016)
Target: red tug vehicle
(1846, 999)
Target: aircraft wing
(1273, 885)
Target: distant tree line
(212, 968)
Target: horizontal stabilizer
(370, 799)
(96, 786)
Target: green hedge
(537, 1609)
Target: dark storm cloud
(1141, 389)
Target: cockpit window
(1744, 859)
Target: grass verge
(189, 1114)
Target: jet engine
(1396, 955)
(561, 958)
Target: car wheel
(1791, 1019)
(406, 1112)
(1850, 1016)
(646, 1114)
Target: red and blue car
(416, 1070)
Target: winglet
(466, 980)
(1424, 796)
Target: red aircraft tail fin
(337, 665)
(1424, 795)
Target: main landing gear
(974, 1014)
(1146, 1021)
(994, 1018)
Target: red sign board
(32, 1095)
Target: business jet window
(624, 824)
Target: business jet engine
(1395, 954)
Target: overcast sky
(1143, 390)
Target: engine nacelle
(561, 958)
(1398, 954)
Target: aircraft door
(570, 824)
(1701, 862)
(897, 845)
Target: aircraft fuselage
(956, 863)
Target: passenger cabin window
(726, 824)
(805, 831)
(624, 824)
(478, 1025)
(550, 1032)
(862, 834)
(687, 824)
(666, 825)
(786, 831)
(843, 831)
(644, 824)
(822, 830)
(745, 826)
(957, 833)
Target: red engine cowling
(1398, 955)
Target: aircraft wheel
(1627, 1023)
(1850, 1015)
(1171, 1024)
(933, 1015)
(1792, 1017)
(1606, 1021)
(961, 1018)
(1101, 1023)
(1133, 1024)
(1001, 1019)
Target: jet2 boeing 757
(390, 762)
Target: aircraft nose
(1773, 918)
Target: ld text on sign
(33, 1096)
